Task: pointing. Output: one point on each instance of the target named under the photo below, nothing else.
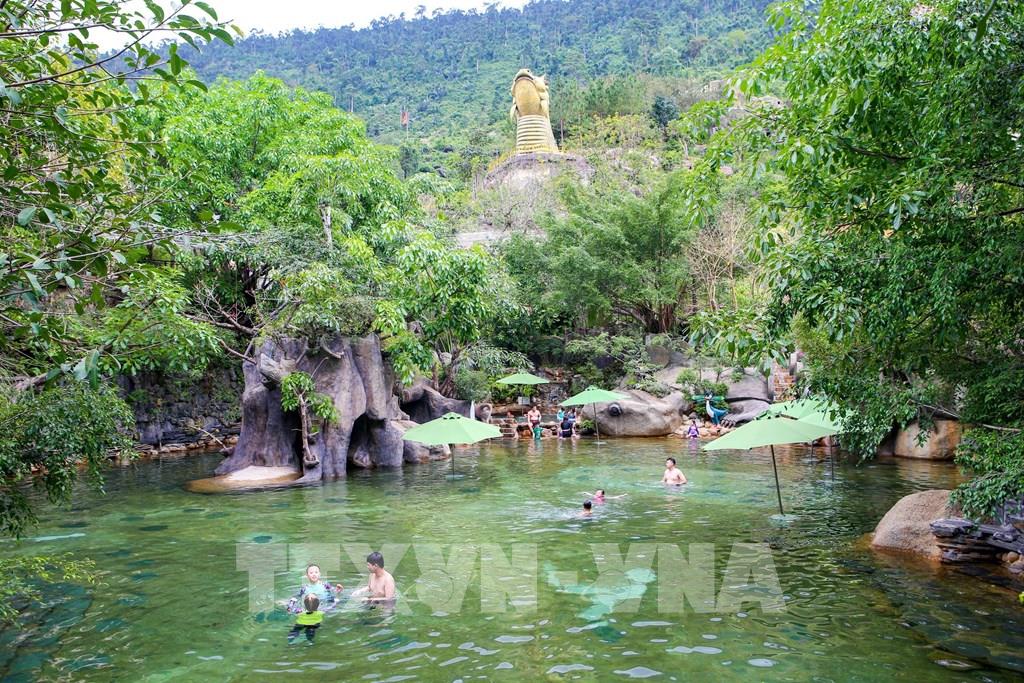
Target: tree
(664, 111)
(894, 216)
(446, 296)
(81, 243)
(616, 254)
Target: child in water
(693, 431)
(324, 592)
(309, 620)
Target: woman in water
(599, 497)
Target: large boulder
(422, 403)
(642, 414)
(413, 452)
(907, 526)
(748, 396)
(939, 444)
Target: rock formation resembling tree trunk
(369, 424)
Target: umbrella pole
(597, 429)
(453, 462)
(778, 489)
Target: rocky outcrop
(353, 374)
(423, 403)
(747, 395)
(530, 172)
(413, 452)
(907, 526)
(641, 414)
(939, 444)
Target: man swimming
(380, 584)
(673, 475)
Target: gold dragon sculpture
(531, 113)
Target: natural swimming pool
(172, 603)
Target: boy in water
(673, 475)
(380, 584)
(309, 620)
(324, 592)
(588, 509)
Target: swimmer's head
(375, 561)
(587, 505)
(313, 573)
(670, 462)
(311, 602)
(600, 492)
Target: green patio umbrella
(770, 431)
(522, 378)
(811, 409)
(451, 428)
(593, 395)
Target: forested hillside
(451, 71)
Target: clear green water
(172, 605)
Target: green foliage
(298, 389)
(22, 579)
(890, 219)
(995, 459)
(51, 433)
(471, 385)
(78, 196)
(445, 293)
(613, 256)
(454, 69)
(687, 377)
(664, 111)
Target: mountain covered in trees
(451, 71)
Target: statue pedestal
(533, 134)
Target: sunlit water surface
(172, 603)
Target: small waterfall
(472, 410)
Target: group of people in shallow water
(673, 476)
(567, 425)
(317, 596)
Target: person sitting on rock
(693, 431)
(326, 593)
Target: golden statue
(531, 113)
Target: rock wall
(182, 410)
(352, 372)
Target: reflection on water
(173, 605)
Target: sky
(276, 16)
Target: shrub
(472, 385)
